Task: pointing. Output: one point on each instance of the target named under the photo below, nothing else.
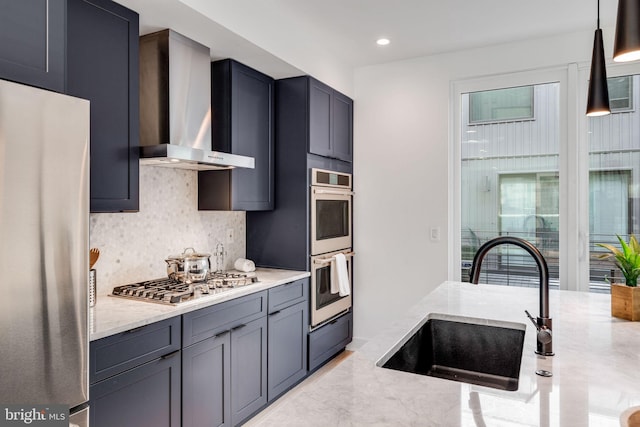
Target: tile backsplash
(134, 245)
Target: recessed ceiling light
(383, 42)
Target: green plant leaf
(614, 251)
(633, 242)
(627, 259)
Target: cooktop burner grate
(169, 291)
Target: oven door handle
(332, 192)
(331, 258)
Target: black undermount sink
(475, 351)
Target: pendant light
(626, 46)
(598, 95)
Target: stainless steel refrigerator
(44, 239)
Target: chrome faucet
(542, 323)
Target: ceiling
(346, 30)
(424, 27)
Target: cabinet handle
(131, 331)
(167, 356)
(274, 313)
(218, 335)
(238, 327)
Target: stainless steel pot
(188, 267)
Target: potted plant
(625, 298)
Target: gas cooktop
(170, 291)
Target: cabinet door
(32, 42)
(206, 383)
(148, 395)
(342, 127)
(287, 362)
(320, 109)
(252, 135)
(102, 66)
(248, 369)
(242, 106)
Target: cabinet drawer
(208, 322)
(115, 354)
(287, 295)
(329, 340)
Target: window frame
(569, 207)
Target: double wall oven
(331, 223)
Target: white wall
(402, 165)
(250, 19)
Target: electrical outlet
(230, 235)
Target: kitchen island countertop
(112, 315)
(596, 370)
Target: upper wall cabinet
(330, 122)
(242, 121)
(102, 66)
(99, 63)
(32, 43)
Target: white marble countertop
(596, 370)
(112, 315)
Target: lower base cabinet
(224, 378)
(248, 369)
(330, 339)
(216, 366)
(224, 362)
(135, 377)
(148, 395)
(206, 382)
(287, 348)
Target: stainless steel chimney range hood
(175, 105)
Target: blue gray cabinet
(102, 66)
(288, 323)
(330, 339)
(206, 379)
(135, 377)
(88, 49)
(231, 339)
(248, 369)
(330, 121)
(32, 42)
(297, 118)
(242, 119)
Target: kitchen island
(596, 370)
(112, 315)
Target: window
(564, 182)
(510, 179)
(614, 178)
(620, 93)
(501, 105)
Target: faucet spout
(543, 323)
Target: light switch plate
(435, 234)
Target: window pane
(620, 93)
(614, 181)
(510, 184)
(501, 105)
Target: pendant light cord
(598, 14)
